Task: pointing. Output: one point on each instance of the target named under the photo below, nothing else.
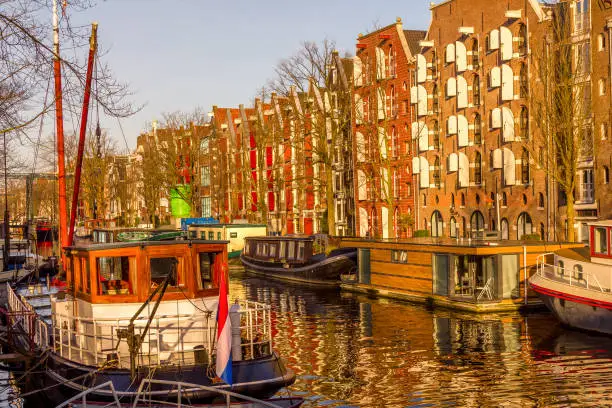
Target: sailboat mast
(59, 120)
(84, 114)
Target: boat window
(291, 250)
(302, 250)
(578, 272)
(211, 235)
(161, 267)
(193, 234)
(264, 250)
(233, 235)
(207, 260)
(560, 268)
(247, 248)
(600, 242)
(273, 250)
(202, 234)
(283, 249)
(115, 275)
(85, 275)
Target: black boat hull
(63, 379)
(322, 272)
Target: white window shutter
(507, 83)
(461, 56)
(495, 78)
(450, 53)
(497, 159)
(380, 101)
(464, 170)
(421, 68)
(414, 95)
(462, 131)
(380, 63)
(507, 125)
(509, 168)
(357, 71)
(415, 165)
(415, 130)
(505, 39)
(496, 118)
(451, 125)
(424, 172)
(362, 188)
(453, 162)
(422, 106)
(494, 39)
(451, 87)
(358, 109)
(423, 137)
(462, 93)
(382, 142)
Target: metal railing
(145, 395)
(172, 339)
(584, 279)
(22, 314)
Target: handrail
(83, 395)
(36, 329)
(560, 276)
(190, 387)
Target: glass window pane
(115, 275)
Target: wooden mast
(84, 114)
(59, 120)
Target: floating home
(463, 274)
(234, 233)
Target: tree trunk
(390, 218)
(571, 214)
(329, 196)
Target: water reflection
(350, 350)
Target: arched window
(505, 229)
(578, 273)
(540, 200)
(606, 174)
(393, 101)
(435, 100)
(452, 200)
(477, 221)
(477, 199)
(523, 81)
(436, 172)
(561, 268)
(504, 202)
(478, 169)
(522, 39)
(523, 226)
(391, 61)
(453, 228)
(477, 129)
(436, 134)
(394, 142)
(524, 123)
(462, 200)
(434, 64)
(475, 59)
(525, 167)
(437, 226)
(542, 231)
(476, 90)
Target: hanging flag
(224, 331)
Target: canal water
(350, 350)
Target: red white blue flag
(224, 331)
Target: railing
(584, 280)
(171, 339)
(23, 314)
(145, 395)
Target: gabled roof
(412, 38)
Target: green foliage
(421, 233)
(530, 237)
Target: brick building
(382, 117)
(471, 121)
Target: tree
(562, 104)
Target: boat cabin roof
(270, 238)
(604, 223)
(127, 272)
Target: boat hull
(325, 272)
(259, 378)
(573, 310)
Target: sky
(181, 54)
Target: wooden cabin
(464, 274)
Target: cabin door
(440, 270)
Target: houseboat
(475, 275)
(576, 283)
(234, 233)
(143, 310)
(307, 259)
